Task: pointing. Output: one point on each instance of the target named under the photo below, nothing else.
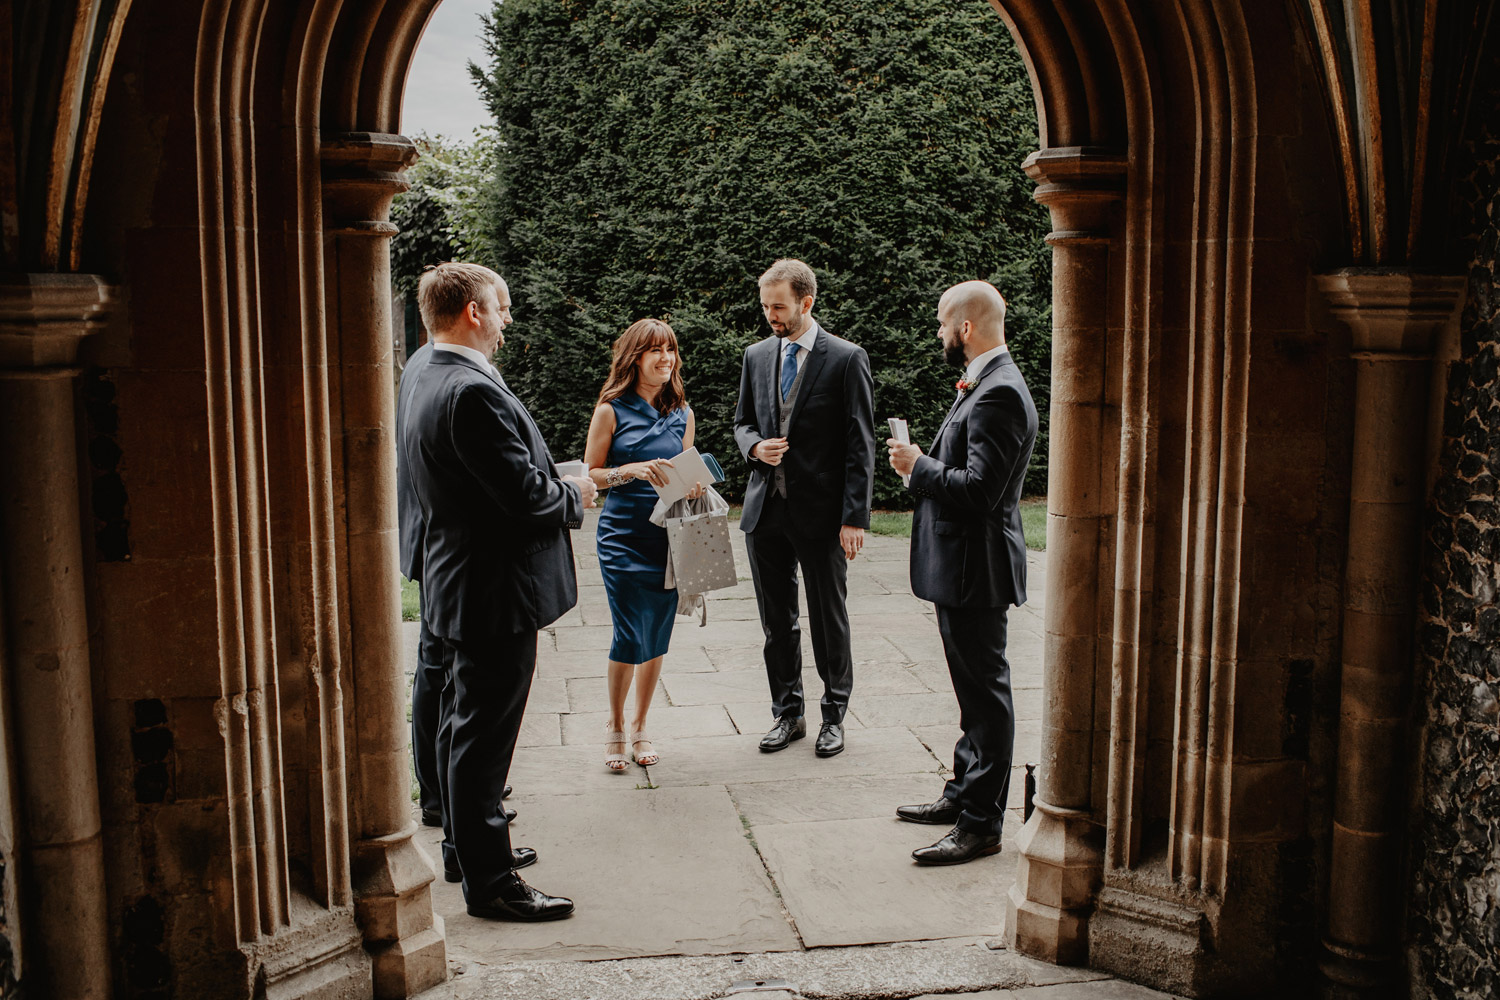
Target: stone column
(1061, 858)
(43, 320)
(362, 172)
(1395, 317)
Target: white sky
(440, 98)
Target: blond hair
(446, 290)
(794, 273)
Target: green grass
(897, 523)
(411, 606)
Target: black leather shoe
(943, 812)
(515, 900)
(505, 794)
(781, 734)
(830, 740)
(510, 814)
(520, 857)
(956, 848)
(431, 818)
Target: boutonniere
(963, 385)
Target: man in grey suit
(968, 557)
(805, 423)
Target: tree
(655, 156)
(446, 213)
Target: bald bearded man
(968, 557)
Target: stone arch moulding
(1162, 810)
(232, 172)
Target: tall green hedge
(656, 155)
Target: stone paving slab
(539, 729)
(896, 970)
(665, 722)
(848, 882)
(807, 800)
(618, 856)
(589, 694)
(913, 710)
(737, 759)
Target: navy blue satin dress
(632, 550)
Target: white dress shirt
(466, 351)
(982, 362)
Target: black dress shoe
(520, 857)
(505, 794)
(781, 734)
(830, 740)
(959, 846)
(510, 814)
(431, 817)
(943, 812)
(515, 900)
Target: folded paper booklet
(900, 432)
(579, 469)
(687, 471)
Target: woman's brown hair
(638, 338)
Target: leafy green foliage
(447, 214)
(654, 157)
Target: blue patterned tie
(789, 369)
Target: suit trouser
(776, 549)
(974, 641)
(490, 682)
(427, 718)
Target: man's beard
(954, 354)
(787, 331)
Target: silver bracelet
(614, 477)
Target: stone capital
(44, 318)
(1079, 185)
(362, 172)
(1393, 311)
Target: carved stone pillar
(1395, 317)
(362, 172)
(1060, 866)
(43, 320)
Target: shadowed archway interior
(205, 749)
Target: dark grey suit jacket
(830, 463)
(967, 546)
(408, 511)
(496, 556)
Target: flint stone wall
(1455, 904)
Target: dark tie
(789, 369)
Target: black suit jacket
(496, 556)
(967, 546)
(408, 511)
(830, 463)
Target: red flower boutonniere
(963, 385)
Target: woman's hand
(650, 471)
(697, 491)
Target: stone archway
(204, 747)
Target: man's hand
(586, 488)
(851, 540)
(903, 456)
(769, 451)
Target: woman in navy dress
(641, 421)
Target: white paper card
(686, 473)
(901, 433)
(579, 469)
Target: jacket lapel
(769, 408)
(989, 370)
(814, 364)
